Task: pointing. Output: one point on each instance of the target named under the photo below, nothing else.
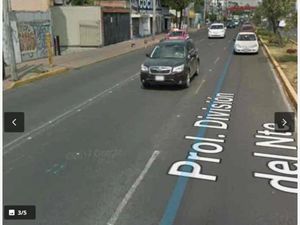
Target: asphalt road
(98, 149)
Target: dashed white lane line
(217, 59)
(131, 191)
(66, 114)
(202, 82)
(211, 44)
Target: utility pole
(154, 19)
(204, 13)
(130, 8)
(9, 39)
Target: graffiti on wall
(32, 38)
(27, 39)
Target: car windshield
(246, 37)
(176, 34)
(215, 27)
(169, 51)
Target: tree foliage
(275, 10)
(179, 6)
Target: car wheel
(198, 68)
(187, 82)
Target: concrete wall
(30, 5)
(29, 34)
(67, 19)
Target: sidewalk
(38, 69)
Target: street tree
(179, 6)
(275, 10)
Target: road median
(279, 67)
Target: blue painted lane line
(179, 189)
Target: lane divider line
(217, 59)
(64, 115)
(133, 188)
(202, 82)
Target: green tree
(179, 6)
(275, 10)
(258, 15)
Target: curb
(288, 87)
(294, 42)
(35, 78)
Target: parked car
(246, 42)
(217, 30)
(172, 62)
(247, 28)
(177, 34)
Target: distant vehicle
(246, 23)
(171, 62)
(177, 34)
(236, 22)
(217, 30)
(246, 42)
(230, 24)
(247, 28)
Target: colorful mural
(32, 40)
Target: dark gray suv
(171, 62)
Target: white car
(246, 42)
(217, 30)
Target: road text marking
(285, 166)
(216, 118)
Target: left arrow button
(14, 122)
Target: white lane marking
(202, 82)
(201, 40)
(210, 70)
(217, 59)
(66, 114)
(131, 191)
(210, 44)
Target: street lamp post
(131, 28)
(154, 19)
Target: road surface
(98, 149)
